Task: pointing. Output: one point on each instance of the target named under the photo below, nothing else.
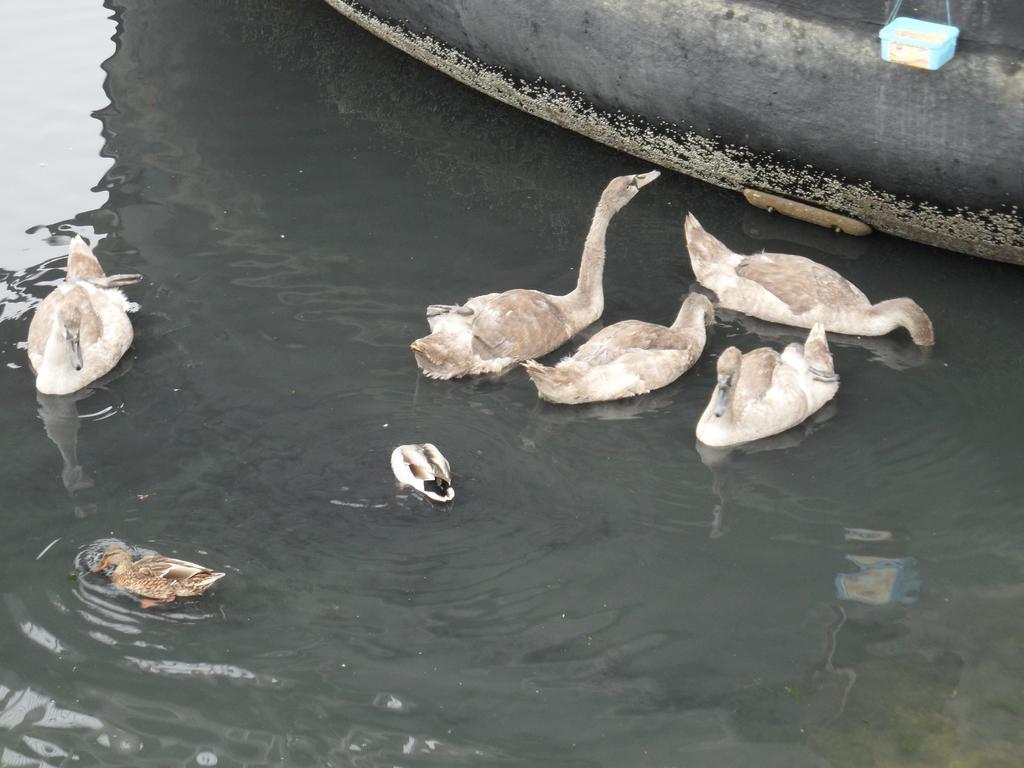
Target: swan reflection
(62, 420)
(722, 461)
(547, 419)
(895, 352)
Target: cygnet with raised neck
(490, 333)
(796, 291)
(628, 358)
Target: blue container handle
(899, 3)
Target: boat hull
(745, 95)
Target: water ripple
(24, 290)
(366, 747)
(107, 603)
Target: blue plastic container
(917, 43)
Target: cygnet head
(909, 314)
(728, 363)
(728, 367)
(697, 302)
(622, 189)
(69, 325)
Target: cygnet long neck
(57, 352)
(691, 315)
(589, 286)
(905, 312)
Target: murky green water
(601, 593)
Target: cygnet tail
(82, 263)
(441, 355)
(556, 384)
(706, 250)
(538, 373)
(816, 351)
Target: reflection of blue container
(916, 43)
(879, 580)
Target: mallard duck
(81, 329)
(797, 291)
(763, 392)
(424, 469)
(491, 333)
(627, 358)
(156, 578)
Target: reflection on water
(772, 232)
(879, 580)
(603, 591)
(545, 418)
(62, 420)
(725, 463)
(895, 351)
(41, 732)
(22, 291)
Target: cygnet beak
(643, 179)
(722, 396)
(76, 352)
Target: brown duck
(155, 578)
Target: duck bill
(75, 348)
(721, 400)
(100, 567)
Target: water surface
(602, 592)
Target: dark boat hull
(792, 100)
